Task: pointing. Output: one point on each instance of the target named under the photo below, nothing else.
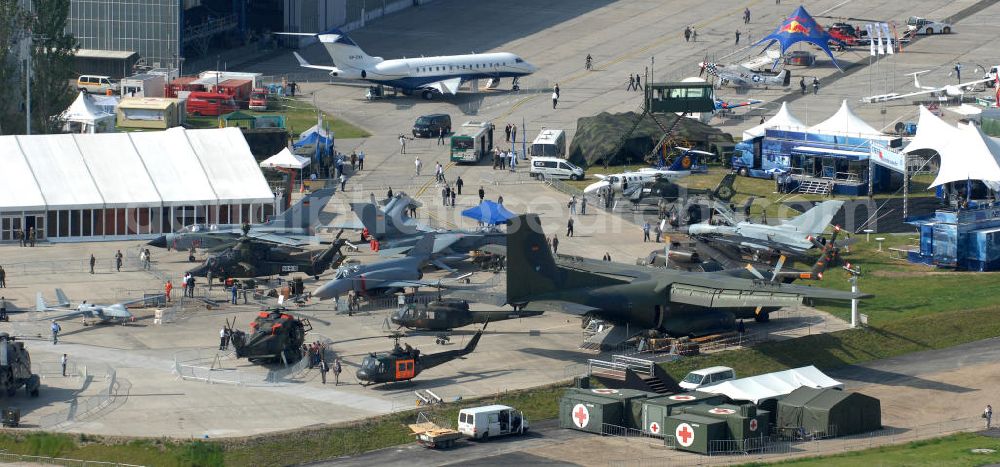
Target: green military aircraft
(275, 336)
(642, 298)
(405, 363)
(252, 257)
(447, 314)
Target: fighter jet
(292, 228)
(398, 234)
(792, 236)
(384, 276)
(641, 298)
(114, 312)
(255, 257)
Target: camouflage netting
(596, 137)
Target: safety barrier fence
(11, 458)
(80, 407)
(780, 446)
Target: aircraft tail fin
(531, 269)
(61, 298)
(788, 77)
(683, 161)
(371, 217)
(423, 247)
(40, 304)
(305, 213)
(815, 220)
(345, 52)
(725, 191)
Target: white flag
(889, 45)
(871, 38)
(881, 45)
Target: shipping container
(694, 433)
(143, 85)
(656, 410)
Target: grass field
(953, 450)
(299, 116)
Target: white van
(96, 84)
(555, 167)
(491, 421)
(707, 377)
(549, 143)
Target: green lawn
(955, 450)
(299, 116)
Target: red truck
(238, 89)
(210, 104)
(183, 83)
(258, 99)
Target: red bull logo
(794, 27)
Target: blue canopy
(314, 138)
(489, 212)
(801, 27)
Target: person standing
(555, 244)
(3, 277)
(631, 82)
(482, 194)
(444, 195)
(354, 161)
(583, 206)
(746, 16)
(438, 172)
(62, 362)
(500, 200)
(31, 236)
(149, 259)
(513, 133)
(958, 72)
(402, 143)
(234, 291)
(20, 237)
(336, 372)
(572, 205)
(417, 164)
(737, 37)
(292, 87)
(361, 161)
(343, 182)
(452, 198)
(687, 34)
(440, 136)
(802, 84)
(55, 332)
(645, 232)
(694, 35)
(459, 183)
(118, 260)
(222, 339)
(988, 415)
(167, 288)
(658, 232)
(323, 368)
(815, 85)
(638, 82)
(506, 133)
(569, 227)
(555, 89)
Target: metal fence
(81, 407)
(10, 458)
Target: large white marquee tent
(128, 185)
(966, 152)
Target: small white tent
(285, 160)
(966, 152)
(83, 116)
(845, 122)
(771, 385)
(781, 120)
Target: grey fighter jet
(793, 236)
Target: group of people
(316, 353)
(504, 160)
(634, 83)
(646, 227)
(510, 133)
(815, 85)
(145, 258)
(26, 240)
(690, 34)
(188, 285)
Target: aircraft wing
(305, 64)
(139, 300)
(67, 315)
(448, 85)
(894, 96)
(286, 240)
(720, 294)
(594, 187)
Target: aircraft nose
(329, 290)
(362, 375)
(158, 242)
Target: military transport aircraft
(294, 227)
(641, 298)
(792, 236)
(254, 257)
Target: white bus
(549, 143)
(471, 142)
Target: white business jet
(620, 182)
(426, 75)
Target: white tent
(84, 116)
(285, 160)
(845, 122)
(771, 385)
(781, 120)
(966, 152)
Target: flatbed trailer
(430, 435)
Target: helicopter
(405, 363)
(275, 336)
(447, 314)
(15, 367)
(253, 257)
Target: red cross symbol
(654, 428)
(753, 424)
(580, 416)
(722, 411)
(684, 434)
(682, 398)
(604, 391)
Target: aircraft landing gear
(427, 94)
(762, 317)
(514, 86)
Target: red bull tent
(800, 27)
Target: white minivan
(554, 167)
(96, 84)
(491, 421)
(707, 377)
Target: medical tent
(829, 412)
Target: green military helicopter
(445, 314)
(15, 367)
(275, 336)
(405, 363)
(254, 257)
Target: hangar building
(117, 186)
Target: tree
(12, 28)
(52, 64)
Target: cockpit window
(518, 60)
(369, 363)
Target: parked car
(554, 167)
(491, 421)
(97, 84)
(211, 104)
(429, 126)
(707, 377)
